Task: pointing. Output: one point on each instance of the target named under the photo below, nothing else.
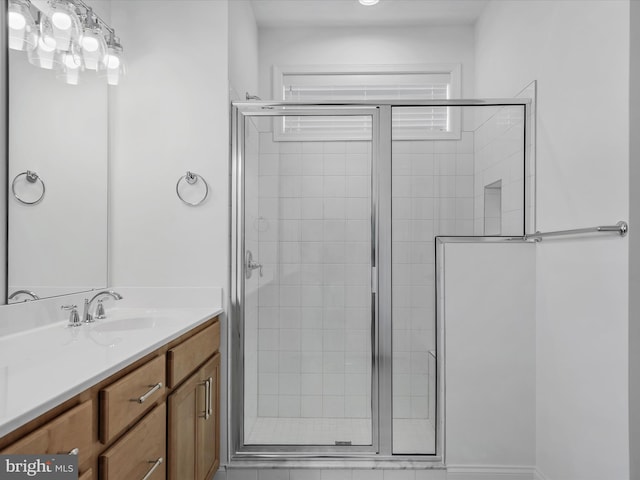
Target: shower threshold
(416, 436)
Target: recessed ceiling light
(368, 3)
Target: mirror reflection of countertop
(45, 366)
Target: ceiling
(349, 13)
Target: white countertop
(45, 366)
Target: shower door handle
(250, 265)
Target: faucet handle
(100, 315)
(74, 317)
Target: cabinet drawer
(139, 451)
(129, 398)
(70, 431)
(190, 354)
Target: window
(343, 84)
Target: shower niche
(334, 337)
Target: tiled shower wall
(314, 325)
(499, 156)
(308, 213)
(432, 194)
(252, 239)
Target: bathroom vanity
(140, 400)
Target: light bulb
(22, 32)
(90, 44)
(113, 62)
(17, 21)
(61, 20)
(47, 44)
(71, 61)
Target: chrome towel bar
(621, 228)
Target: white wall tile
(335, 186)
(289, 383)
(333, 384)
(311, 406)
(289, 405)
(290, 164)
(333, 406)
(290, 362)
(334, 164)
(268, 406)
(311, 340)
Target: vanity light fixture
(368, 3)
(66, 24)
(67, 36)
(115, 68)
(71, 66)
(44, 55)
(22, 27)
(93, 44)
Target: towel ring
(31, 177)
(192, 178)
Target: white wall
(366, 46)
(170, 115)
(573, 49)
(243, 50)
(489, 305)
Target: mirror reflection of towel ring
(192, 178)
(31, 177)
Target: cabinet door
(185, 405)
(208, 458)
(193, 425)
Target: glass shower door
(306, 187)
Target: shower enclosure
(335, 346)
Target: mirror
(58, 150)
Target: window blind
(408, 122)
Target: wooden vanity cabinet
(69, 433)
(131, 422)
(193, 425)
(141, 453)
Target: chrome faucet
(24, 292)
(87, 317)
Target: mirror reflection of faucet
(26, 293)
(99, 314)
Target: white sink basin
(132, 323)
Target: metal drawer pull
(75, 451)
(156, 463)
(207, 400)
(154, 388)
(210, 402)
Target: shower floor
(411, 436)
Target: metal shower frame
(380, 453)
